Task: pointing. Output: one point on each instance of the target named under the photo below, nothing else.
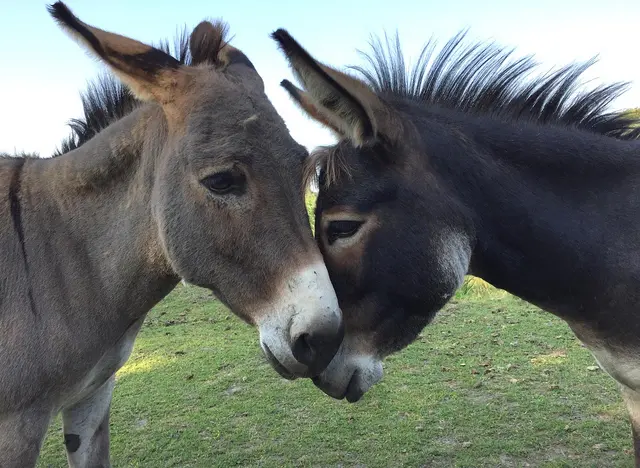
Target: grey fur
(91, 240)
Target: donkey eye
(342, 229)
(222, 183)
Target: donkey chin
(301, 333)
(350, 374)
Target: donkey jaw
(302, 330)
(350, 375)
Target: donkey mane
(107, 100)
(484, 78)
(19, 155)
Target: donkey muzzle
(303, 329)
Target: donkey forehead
(356, 180)
(251, 138)
(357, 195)
(230, 119)
(223, 104)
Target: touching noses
(302, 331)
(315, 340)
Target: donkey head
(226, 198)
(396, 244)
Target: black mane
(107, 99)
(484, 78)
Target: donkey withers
(475, 166)
(202, 182)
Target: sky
(43, 70)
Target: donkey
(473, 166)
(202, 182)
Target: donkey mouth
(352, 393)
(279, 368)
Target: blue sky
(43, 70)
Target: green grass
(310, 202)
(493, 382)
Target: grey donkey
(201, 182)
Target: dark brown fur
(475, 166)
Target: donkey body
(472, 166)
(201, 181)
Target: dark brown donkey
(202, 182)
(473, 165)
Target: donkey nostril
(303, 349)
(314, 343)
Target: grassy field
(494, 382)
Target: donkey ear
(208, 45)
(305, 101)
(205, 42)
(151, 74)
(332, 97)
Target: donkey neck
(555, 212)
(88, 218)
